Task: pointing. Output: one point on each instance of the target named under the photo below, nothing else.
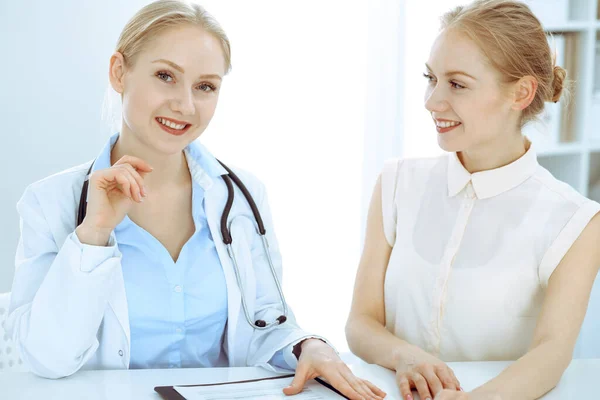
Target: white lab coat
(69, 313)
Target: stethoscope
(227, 239)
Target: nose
(435, 99)
(184, 103)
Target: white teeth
(171, 124)
(446, 124)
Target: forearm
(530, 377)
(68, 307)
(371, 341)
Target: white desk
(578, 382)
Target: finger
(138, 178)
(447, 379)
(375, 389)
(111, 179)
(456, 381)
(127, 185)
(299, 380)
(404, 386)
(123, 184)
(358, 385)
(343, 386)
(135, 188)
(435, 385)
(422, 386)
(136, 162)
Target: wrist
(92, 236)
(298, 347)
(408, 356)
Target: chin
(172, 147)
(451, 146)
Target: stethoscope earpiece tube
(247, 195)
(83, 198)
(225, 215)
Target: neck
(495, 154)
(169, 169)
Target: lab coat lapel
(214, 201)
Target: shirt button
(178, 289)
(121, 353)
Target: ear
(524, 92)
(116, 72)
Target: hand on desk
(318, 359)
(428, 378)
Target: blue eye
(428, 77)
(456, 85)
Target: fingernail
(461, 389)
(409, 397)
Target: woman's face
(174, 80)
(464, 95)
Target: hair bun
(560, 75)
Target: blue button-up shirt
(177, 310)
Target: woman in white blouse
(480, 254)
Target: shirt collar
(491, 183)
(202, 164)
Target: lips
(173, 127)
(445, 125)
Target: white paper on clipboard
(265, 389)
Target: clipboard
(170, 393)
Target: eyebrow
(450, 73)
(180, 69)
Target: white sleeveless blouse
(473, 253)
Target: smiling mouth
(446, 126)
(172, 127)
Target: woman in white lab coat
(146, 281)
(479, 254)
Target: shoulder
(54, 196)
(412, 173)
(254, 185)
(58, 182)
(407, 167)
(568, 217)
(561, 201)
(558, 191)
(417, 164)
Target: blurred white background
(320, 94)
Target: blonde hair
(160, 15)
(514, 41)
